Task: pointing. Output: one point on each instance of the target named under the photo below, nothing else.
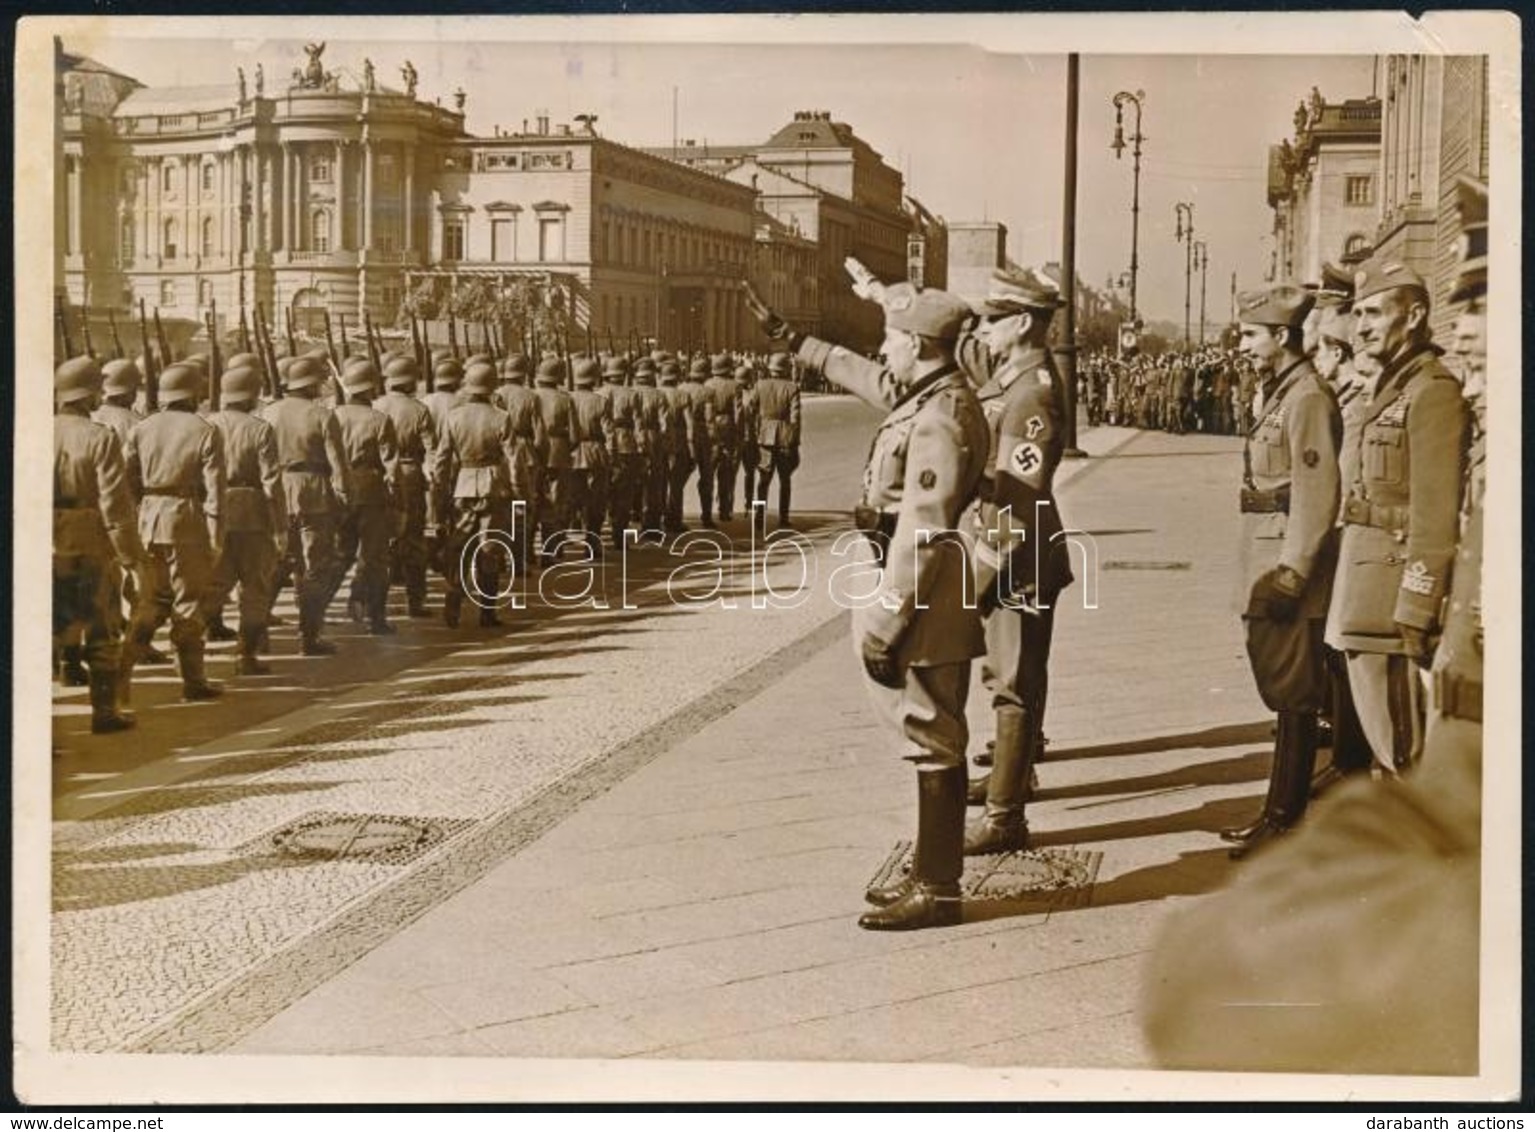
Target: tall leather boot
(248, 663)
(310, 618)
(1289, 782)
(1004, 828)
(195, 685)
(217, 630)
(133, 648)
(106, 716)
(75, 675)
(785, 491)
(933, 898)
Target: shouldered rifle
(591, 350)
(287, 315)
(245, 334)
(85, 331)
(117, 342)
(373, 351)
(453, 334)
(335, 361)
(346, 347)
(151, 369)
(213, 343)
(268, 356)
(570, 378)
(166, 356)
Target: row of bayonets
(155, 352)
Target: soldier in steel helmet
(415, 436)
(316, 481)
(699, 411)
(589, 453)
(521, 404)
(175, 462)
(624, 459)
(777, 413)
(723, 396)
(651, 410)
(95, 534)
(478, 463)
(557, 418)
(370, 447)
(255, 514)
(918, 640)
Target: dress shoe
(1242, 833)
(74, 674)
(924, 906)
(882, 896)
(153, 657)
(247, 665)
(218, 631)
(1266, 832)
(111, 722)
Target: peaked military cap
(1471, 270)
(1283, 304)
(1386, 275)
(931, 314)
(1012, 291)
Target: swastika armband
(1026, 459)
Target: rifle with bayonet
(151, 369)
(85, 331)
(117, 342)
(245, 334)
(287, 315)
(215, 354)
(335, 360)
(166, 356)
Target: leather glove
(772, 325)
(1418, 643)
(1276, 594)
(879, 662)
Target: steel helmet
(303, 373)
(361, 378)
(239, 384)
(480, 377)
(400, 373)
(180, 382)
(76, 380)
(120, 376)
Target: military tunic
(652, 441)
(557, 413)
(723, 397)
(925, 466)
(778, 424)
(1454, 726)
(699, 411)
(589, 461)
(371, 449)
(474, 464)
(255, 519)
(415, 434)
(625, 463)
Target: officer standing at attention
(918, 639)
(1400, 513)
(415, 436)
(778, 418)
(589, 454)
(1289, 503)
(723, 396)
(94, 522)
(371, 447)
(316, 479)
(1021, 559)
(175, 464)
(255, 515)
(475, 462)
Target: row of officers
(161, 517)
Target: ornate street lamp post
(1118, 147)
(1185, 235)
(1202, 262)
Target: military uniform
(175, 464)
(316, 478)
(557, 413)
(478, 461)
(415, 435)
(723, 396)
(521, 404)
(677, 444)
(699, 410)
(652, 442)
(625, 463)
(918, 638)
(255, 515)
(94, 535)
(1022, 560)
(370, 446)
(1399, 534)
(746, 429)
(589, 454)
(778, 422)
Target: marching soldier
(677, 442)
(625, 462)
(1400, 513)
(175, 464)
(918, 640)
(1289, 504)
(95, 534)
(120, 382)
(746, 430)
(316, 482)
(1022, 562)
(415, 436)
(521, 404)
(370, 446)
(255, 515)
(589, 453)
(777, 412)
(700, 412)
(651, 442)
(557, 414)
(723, 396)
(478, 461)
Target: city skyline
(730, 94)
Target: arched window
(207, 238)
(319, 231)
(1356, 247)
(171, 238)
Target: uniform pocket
(1385, 456)
(1269, 456)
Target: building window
(390, 295)
(452, 239)
(125, 240)
(319, 231)
(207, 240)
(1359, 190)
(205, 292)
(172, 236)
(319, 169)
(551, 239)
(168, 177)
(130, 180)
(1356, 248)
(208, 168)
(167, 292)
(503, 239)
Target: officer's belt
(1365, 513)
(1261, 501)
(305, 466)
(1458, 697)
(171, 492)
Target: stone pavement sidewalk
(701, 902)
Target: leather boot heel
(925, 906)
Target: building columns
(338, 243)
(407, 212)
(289, 196)
(369, 191)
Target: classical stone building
(976, 249)
(1324, 187)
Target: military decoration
(927, 479)
(1035, 426)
